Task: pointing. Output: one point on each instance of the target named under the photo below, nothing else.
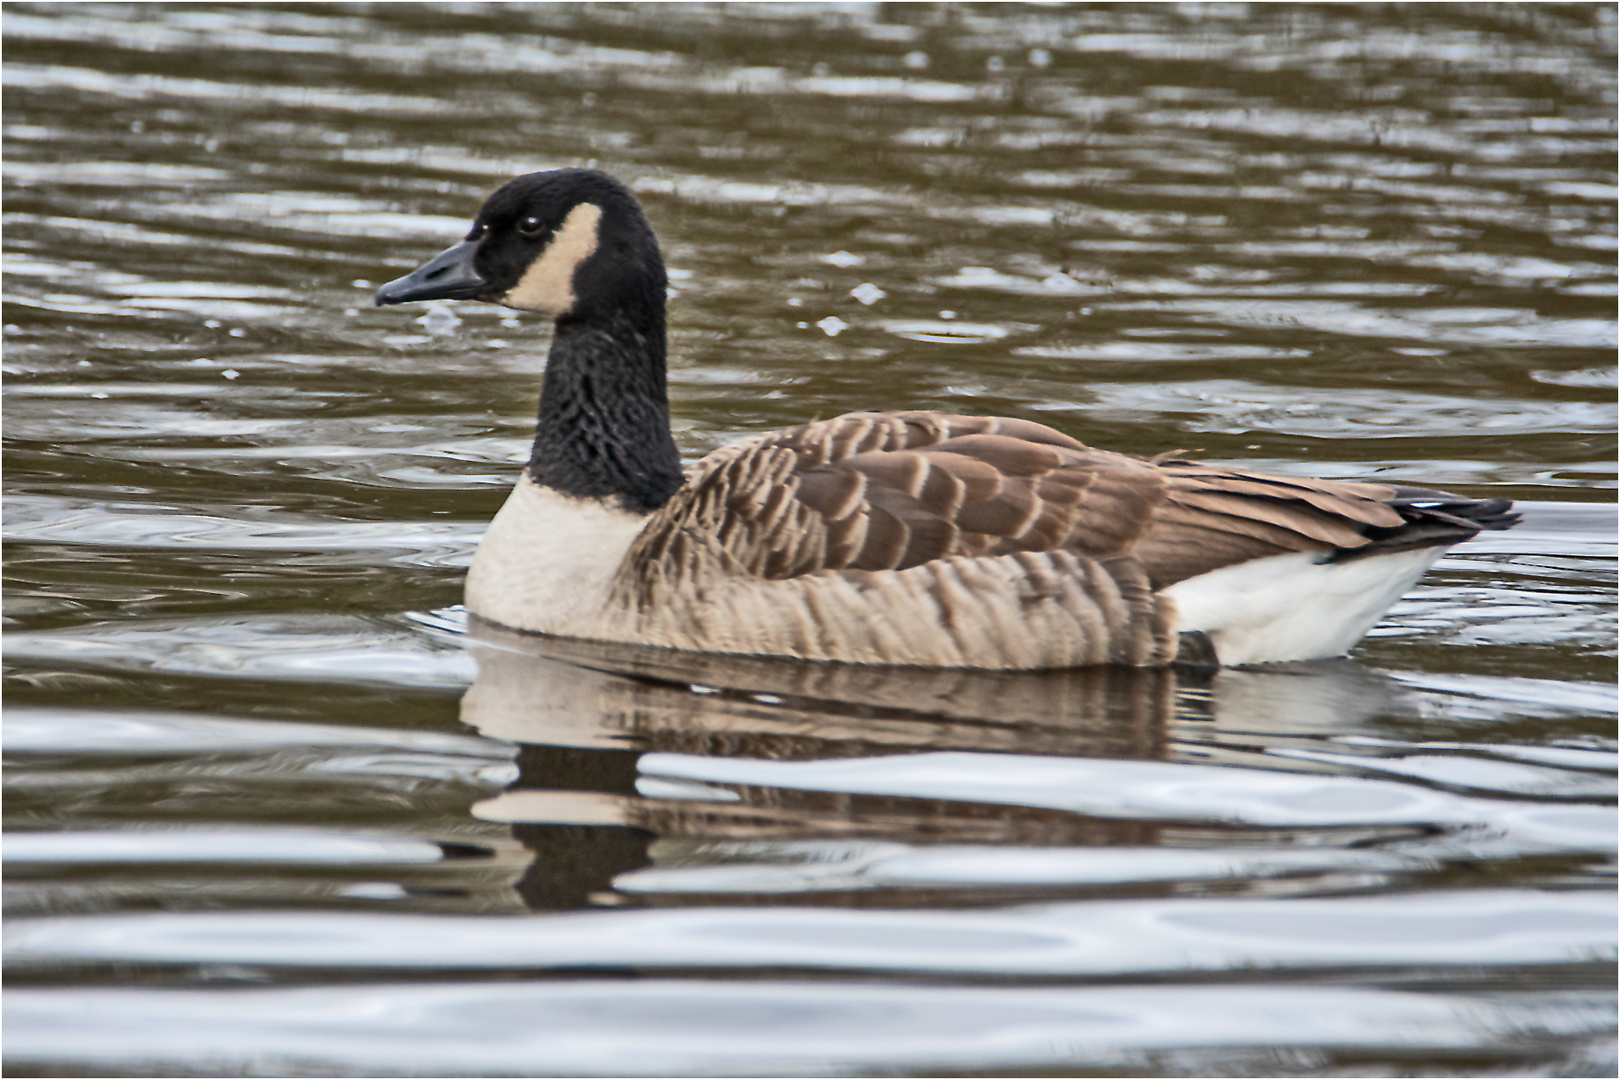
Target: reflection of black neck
(611, 771)
(574, 864)
(603, 429)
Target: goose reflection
(587, 715)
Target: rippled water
(271, 809)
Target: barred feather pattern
(935, 539)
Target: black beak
(449, 275)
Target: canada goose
(916, 538)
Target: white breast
(548, 560)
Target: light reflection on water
(265, 790)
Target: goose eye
(530, 226)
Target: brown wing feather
(887, 491)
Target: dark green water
(270, 811)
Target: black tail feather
(1432, 519)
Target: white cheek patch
(547, 286)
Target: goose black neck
(603, 430)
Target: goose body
(915, 538)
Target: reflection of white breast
(548, 560)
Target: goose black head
(569, 243)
